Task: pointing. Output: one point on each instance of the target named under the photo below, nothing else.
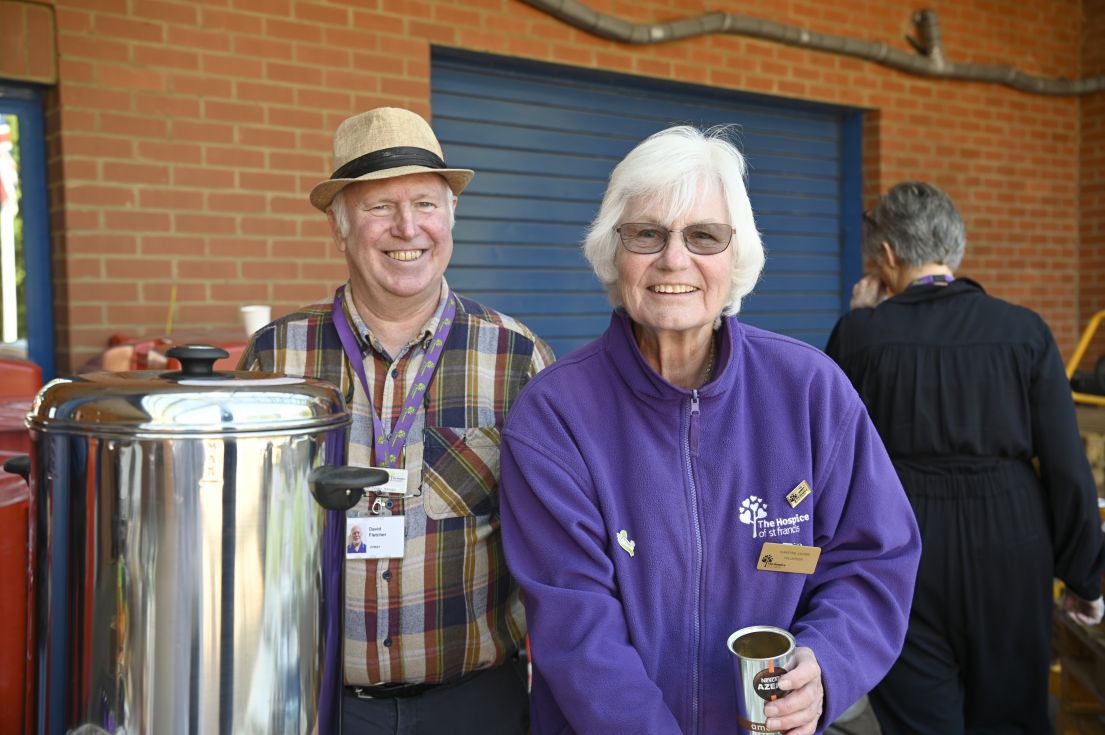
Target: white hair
(668, 169)
(341, 214)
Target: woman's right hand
(799, 711)
(868, 292)
(1083, 612)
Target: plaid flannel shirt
(449, 605)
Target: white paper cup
(763, 654)
(255, 316)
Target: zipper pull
(693, 436)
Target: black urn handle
(341, 488)
(197, 361)
(20, 465)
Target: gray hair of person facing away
(341, 214)
(921, 224)
(668, 172)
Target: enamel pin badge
(625, 542)
(798, 494)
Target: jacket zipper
(691, 449)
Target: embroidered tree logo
(753, 509)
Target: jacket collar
(930, 292)
(621, 347)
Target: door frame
(26, 102)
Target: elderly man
(434, 623)
(356, 543)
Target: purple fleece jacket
(635, 642)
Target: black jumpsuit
(967, 391)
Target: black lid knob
(196, 361)
(20, 465)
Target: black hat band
(386, 158)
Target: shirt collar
(368, 339)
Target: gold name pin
(798, 494)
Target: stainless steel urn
(187, 574)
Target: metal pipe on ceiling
(929, 61)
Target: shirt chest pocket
(460, 471)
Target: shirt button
(387, 574)
(395, 373)
(387, 642)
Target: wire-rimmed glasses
(706, 238)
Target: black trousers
(978, 647)
(493, 702)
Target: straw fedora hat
(382, 144)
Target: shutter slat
(543, 140)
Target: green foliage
(20, 268)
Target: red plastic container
(14, 436)
(20, 380)
(15, 573)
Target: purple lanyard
(391, 445)
(939, 279)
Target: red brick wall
(187, 134)
(1092, 180)
(27, 50)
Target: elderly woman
(967, 392)
(645, 476)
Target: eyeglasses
(708, 238)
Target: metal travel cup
(763, 654)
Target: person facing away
(431, 632)
(971, 399)
(645, 475)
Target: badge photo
(374, 537)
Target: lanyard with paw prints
(388, 446)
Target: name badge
(788, 558)
(375, 537)
(396, 484)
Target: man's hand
(868, 292)
(798, 712)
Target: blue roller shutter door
(543, 140)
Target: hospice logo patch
(753, 512)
